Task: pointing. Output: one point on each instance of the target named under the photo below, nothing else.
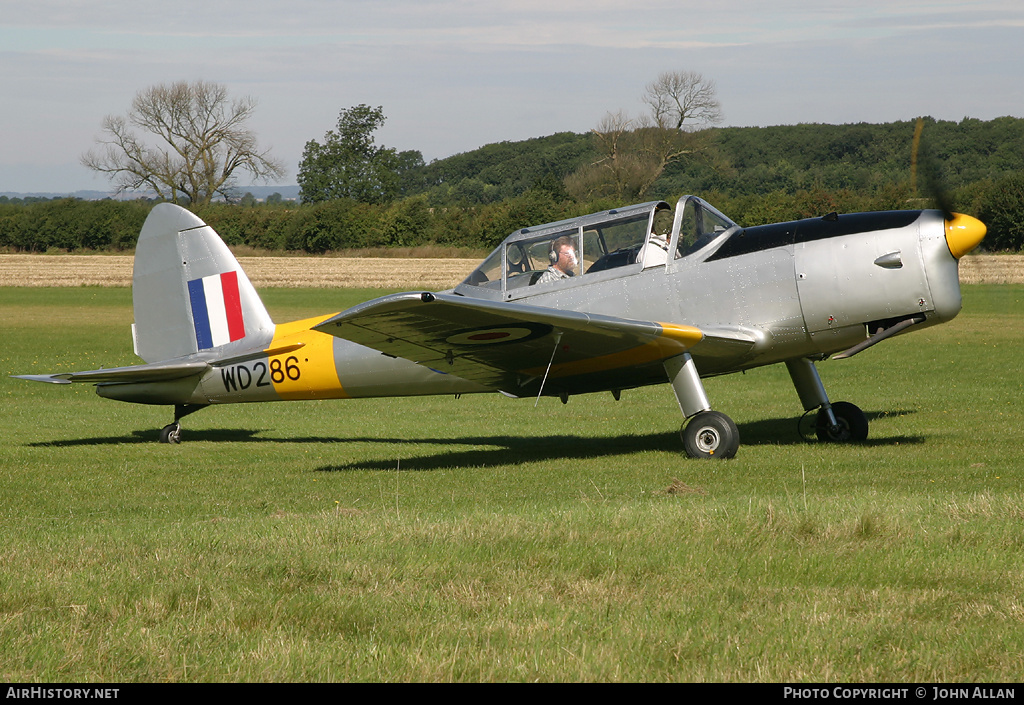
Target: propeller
(963, 233)
(923, 163)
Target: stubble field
(433, 273)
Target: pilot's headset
(556, 245)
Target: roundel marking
(488, 337)
(497, 335)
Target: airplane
(634, 296)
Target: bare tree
(201, 142)
(683, 100)
(635, 152)
(619, 171)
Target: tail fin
(189, 292)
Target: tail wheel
(710, 434)
(852, 424)
(171, 433)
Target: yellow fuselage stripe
(309, 372)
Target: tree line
(357, 194)
(74, 225)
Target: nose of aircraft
(963, 233)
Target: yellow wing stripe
(688, 336)
(673, 340)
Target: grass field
(483, 539)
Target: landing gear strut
(171, 433)
(708, 434)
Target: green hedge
(70, 224)
(73, 225)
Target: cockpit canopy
(606, 245)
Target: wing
(513, 347)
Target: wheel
(853, 424)
(171, 433)
(710, 434)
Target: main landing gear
(712, 434)
(171, 433)
(708, 434)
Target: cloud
(453, 75)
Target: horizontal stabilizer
(256, 354)
(156, 372)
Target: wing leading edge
(512, 347)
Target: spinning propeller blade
(924, 168)
(963, 233)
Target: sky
(454, 75)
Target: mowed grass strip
(483, 539)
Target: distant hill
(860, 157)
(288, 193)
(750, 161)
(83, 195)
(260, 192)
(503, 170)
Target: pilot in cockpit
(655, 251)
(563, 261)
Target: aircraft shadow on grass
(529, 449)
(493, 451)
(227, 435)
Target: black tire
(710, 434)
(171, 433)
(853, 424)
